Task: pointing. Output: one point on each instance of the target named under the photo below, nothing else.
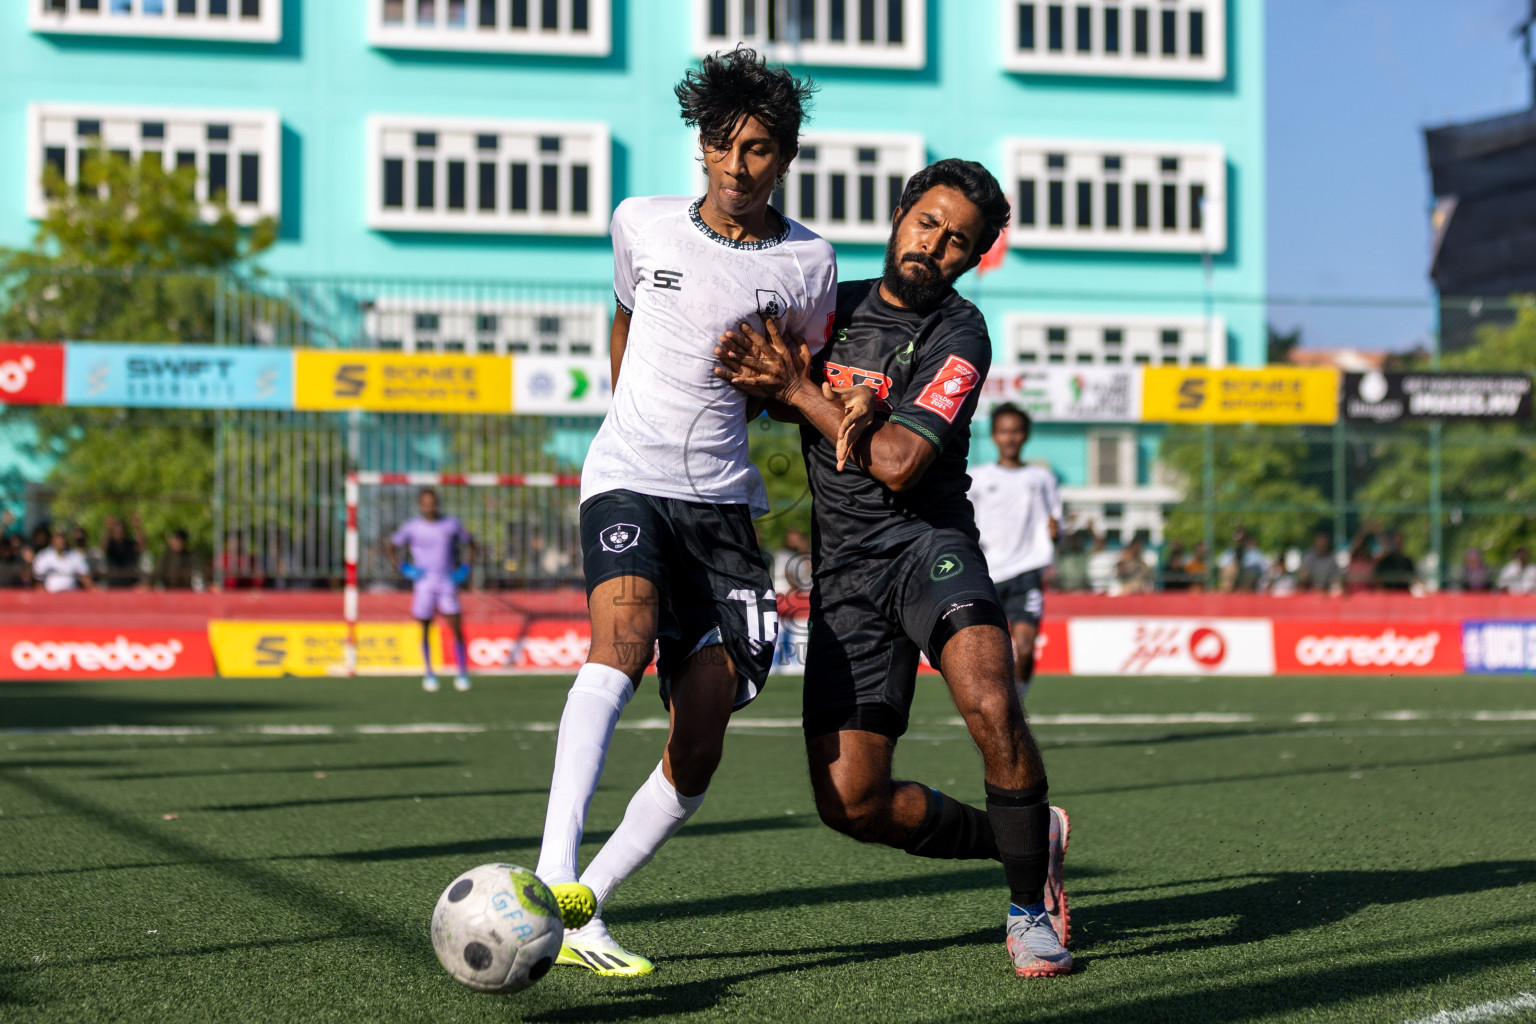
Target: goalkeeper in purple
(434, 552)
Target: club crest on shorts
(945, 567)
(620, 537)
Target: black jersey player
(897, 567)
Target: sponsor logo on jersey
(840, 376)
(771, 304)
(946, 392)
(620, 537)
(668, 280)
(947, 567)
(904, 354)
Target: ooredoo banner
(77, 653)
(1171, 647)
(542, 645)
(31, 374)
(1367, 648)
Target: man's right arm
(618, 340)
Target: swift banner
(31, 374)
(1389, 397)
(177, 376)
(1275, 394)
(1065, 394)
(391, 382)
(561, 385)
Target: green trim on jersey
(920, 430)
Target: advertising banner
(66, 652)
(1275, 394)
(1390, 397)
(1067, 394)
(177, 376)
(31, 374)
(561, 385)
(1171, 647)
(392, 382)
(265, 649)
(1499, 646)
(542, 645)
(1367, 648)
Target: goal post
(353, 491)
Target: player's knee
(859, 816)
(695, 758)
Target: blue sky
(1351, 86)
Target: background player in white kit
(668, 494)
(1018, 512)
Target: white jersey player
(668, 494)
(1018, 513)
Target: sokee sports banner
(1275, 394)
(1390, 397)
(31, 374)
(177, 376)
(264, 649)
(389, 382)
(52, 652)
(1065, 394)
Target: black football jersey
(927, 371)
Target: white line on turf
(414, 728)
(1481, 1011)
(290, 730)
(115, 730)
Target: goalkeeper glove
(410, 572)
(461, 574)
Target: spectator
(1072, 563)
(59, 567)
(15, 570)
(1242, 565)
(1394, 569)
(122, 554)
(1198, 566)
(1519, 576)
(1319, 569)
(1132, 573)
(1174, 572)
(1476, 577)
(1360, 573)
(39, 542)
(792, 563)
(178, 568)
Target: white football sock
(654, 815)
(586, 728)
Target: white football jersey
(1014, 509)
(674, 429)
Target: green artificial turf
(1354, 865)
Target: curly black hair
(728, 87)
(974, 182)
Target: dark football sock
(1021, 821)
(951, 830)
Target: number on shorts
(762, 617)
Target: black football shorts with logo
(704, 561)
(870, 620)
(1023, 597)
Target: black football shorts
(1023, 597)
(869, 621)
(704, 561)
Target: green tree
(1487, 484)
(1264, 482)
(127, 254)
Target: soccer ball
(497, 928)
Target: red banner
(1375, 648)
(536, 645)
(53, 652)
(31, 374)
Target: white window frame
(392, 324)
(1202, 341)
(185, 130)
(67, 17)
(438, 34)
(1097, 59)
(1199, 165)
(787, 48)
(458, 138)
(896, 156)
(1127, 456)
